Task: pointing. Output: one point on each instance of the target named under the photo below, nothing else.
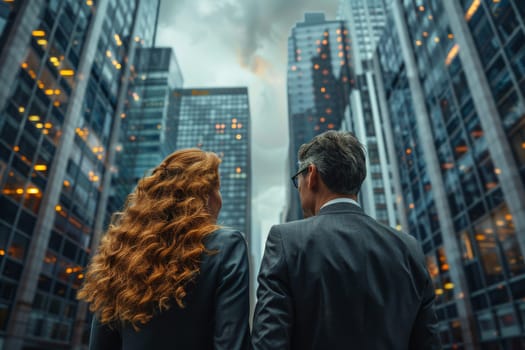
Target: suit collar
(340, 208)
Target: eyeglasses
(294, 178)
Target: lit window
(472, 9)
(67, 72)
(117, 40)
(33, 190)
(39, 33)
(452, 54)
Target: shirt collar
(340, 200)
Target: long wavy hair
(152, 249)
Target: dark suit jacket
(216, 312)
(341, 280)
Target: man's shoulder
(293, 226)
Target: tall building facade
(144, 138)
(66, 64)
(453, 75)
(366, 22)
(218, 120)
(318, 84)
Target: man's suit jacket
(216, 311)
(341, 280)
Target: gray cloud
(246, 25)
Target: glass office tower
(366, 22)
(318, 85)
(218, 120)
(144, 138)
(453, 77)
(64, 66)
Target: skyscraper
(144, 138)
(319, 81)
(218, 120)
(366, 22)
(454, 76)
(66, 66)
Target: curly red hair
(152, 251)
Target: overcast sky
(243, 43)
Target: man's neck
(322, 200)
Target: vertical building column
(366, 193)
(499, 149)
(383, 159)
(390, 146)
(100, 215)
(15, 47)
(26, 290)
(461, 292)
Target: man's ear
(312, 177)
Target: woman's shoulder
(225, 244)
(225, 235)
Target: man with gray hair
(338, 279)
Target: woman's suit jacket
(216, 308)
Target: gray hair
(340, 159)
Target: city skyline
(242, 43)
(439, 104)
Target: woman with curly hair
(165, 274)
